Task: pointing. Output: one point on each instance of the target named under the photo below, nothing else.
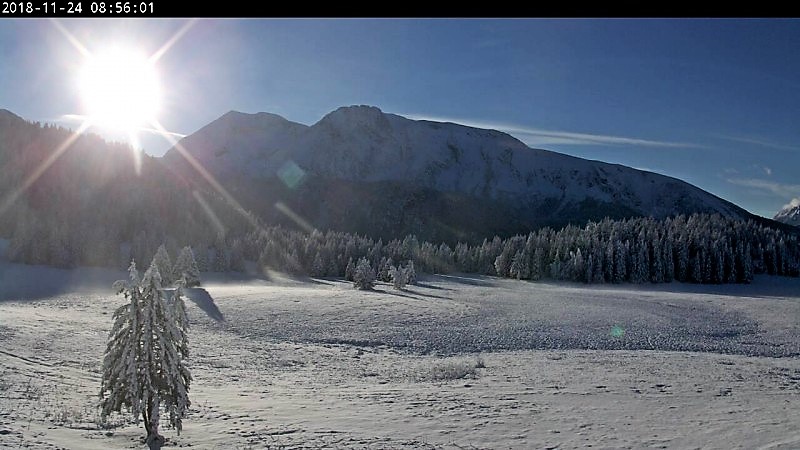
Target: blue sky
(713, 102)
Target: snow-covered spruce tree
(318, 266)
(399, 277)
(143, 367)
(364, 275)
(186, 268)
(236, 256)
(519, 266)
(164, 264)
(383, 269)
(350, 270)
(411, 273)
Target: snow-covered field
(455, 362)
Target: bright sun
(120, 89)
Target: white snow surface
(362, 143)
(254, 389)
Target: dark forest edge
(697, 249)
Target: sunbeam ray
(280, 206)
(137, 155)
(205, 174)
(212, 216)
(175, 38)
(72, 39)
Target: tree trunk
(154, 440)
(146, 418)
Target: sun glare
(120, 89)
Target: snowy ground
(456, 362)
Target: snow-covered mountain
(370, 151)
(790, 214)
(242, 144)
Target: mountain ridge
(375, 153)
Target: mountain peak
(259, 117)
(355, 116)
(366, 110)
(790, 213)
(238, 141)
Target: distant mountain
(790, 214)
(241, 144)
(362, 170)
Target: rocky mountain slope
(360, 169)
(790, 214)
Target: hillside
(360, 169)
(71, 200)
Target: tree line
(699, 248)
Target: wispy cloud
(782, 189)
(765, 169)
(794, 203)
(757, 141)
(538, 136)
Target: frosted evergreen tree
(318, 266)
(537, 265)
(221, 262)
(620, 273)
(333, 268)
(589, 272)
(364, 275)
(399, 277)
(292, 263)
(411, 273)
(682, 260)
(186, 268)
(656, 262)
(501, 264)
(143, 367)
(519, 266)
(597, 263)
(555, 267)
(236, 257)
(641, 263)
(666, 257)
(164, 265)
(461, 255)
(746, 264)
(202, 258)
(383, 269)
(696, 268)
(578, 265)
(610, 262)
(350, 270)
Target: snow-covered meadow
(452, 362)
